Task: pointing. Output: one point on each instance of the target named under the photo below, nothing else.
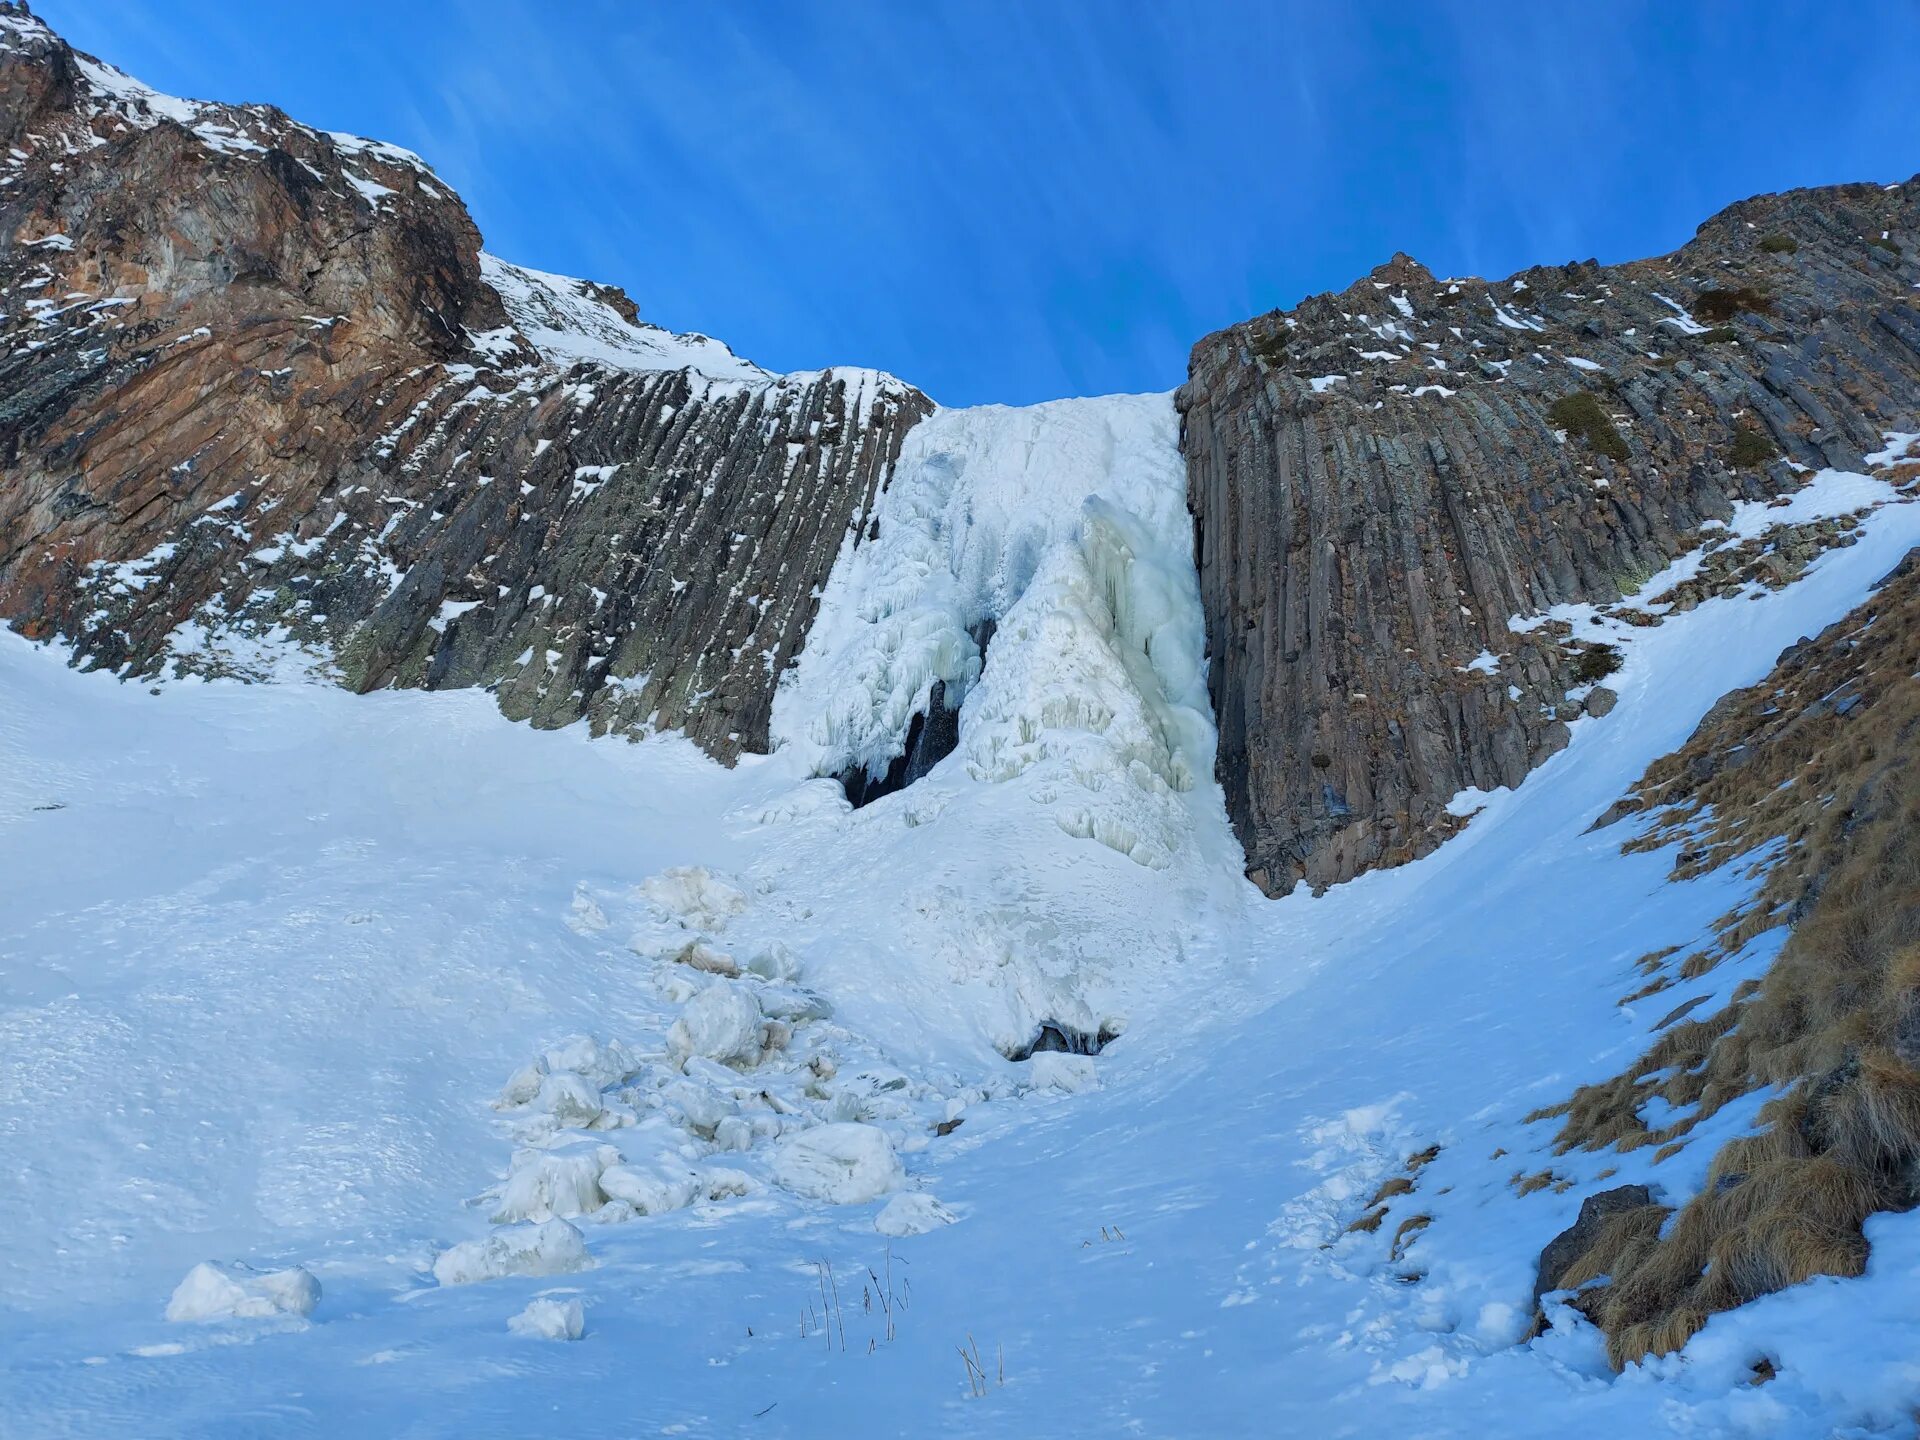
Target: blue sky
(1014, 201)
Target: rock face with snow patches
(1381, 478)
(261, 385)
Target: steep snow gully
(760, 1145)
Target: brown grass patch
(1395, 1185)
(1404, 1236)
(1808, 779)
(1369, 1222)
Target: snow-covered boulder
(552, 1248)
(564, 1182)
(912, 1214)
(723, 1023)
(223, 1292)
(550, 1320)
(694, 896)
(844, 1163)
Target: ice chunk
(522, 1087)
(601, 1062)
(846, 1163)
(722, 1022)
(220, 1292)
(692, 895)
(776, 962)
(655, 1188)
(552, 1248)
(569, 1098)
(912, 1214)
(702, 1108)
(1052, 1070)
(550, 1320)
(698, 955)
(563, 1182)
(784, 1002)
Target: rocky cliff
(1381, 479)
(259, 384)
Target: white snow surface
(420, 1002)
(565, 321)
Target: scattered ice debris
(553, 1247)
(550, 1320)
(214, 1291)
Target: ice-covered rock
(564, 1182)
(912, 1214)
(550, 1320)
(843, 1162)
(551, 1248)
(213, 1291)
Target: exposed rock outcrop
(1382, 478)
(257, 381)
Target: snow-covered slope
(568, 320)
(274, 952)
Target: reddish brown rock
(256, 381)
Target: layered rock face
(261, 393)
(1382, 478)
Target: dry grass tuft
(1404, 1236)
(1369, 1222)
(1394, 1185)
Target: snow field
(374, 910)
